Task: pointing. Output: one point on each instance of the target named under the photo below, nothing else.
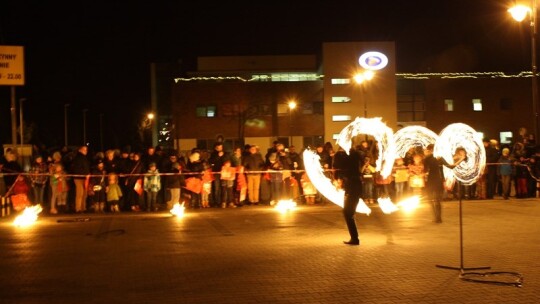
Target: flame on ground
(409, 204)
(285, 205)
(28, 216)
(386, 205)
(178, 210)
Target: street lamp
(361, 79)
(292, 106)
(66, 105)
(144, 125)
(84, 126)
(21, 131)
(101, 131)
(519, 12)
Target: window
(341, 99)
(335, 136)
(287, 77)
(341, 81)
(341, 117)
(449, 105)
(505, 137)
(208, 111)
(477, 104)
(479, 135)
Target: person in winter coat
(152, 185)
(505, 171)
(174, 183)
(80, 168)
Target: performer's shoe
(352, 242)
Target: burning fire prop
(28, 216)
(409, 204)
(392, 145)
(285, 205)
(178, 209)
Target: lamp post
(361, 79)
(21, 131)
(519, 12)
(145, 124)
(66, 105)
(292, 106)
(84, 126)
(101, 131)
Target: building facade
(245, 99)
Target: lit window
(287, 77)
(209, 111)
(341, 117)
(449, 105)
(477, 104)
(505, 137)
(341, 99)
(341, 81)
(479, 135)
(335, 136)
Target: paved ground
(257, 255)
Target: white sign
(11, 65)
(373, 61)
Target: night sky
(96, 54)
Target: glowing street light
(292, 106)
(519, 12)
(145, 124)
(361, 79)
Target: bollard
(5, 206)
(8, 206)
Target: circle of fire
(390, 145)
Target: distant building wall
(377, 97)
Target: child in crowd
(19, 196)
(39, 177)
(228, 175)
(368, 182)
(417, 175)
(59, 189)
(114, 193)
(241, 185)
(207, 179)
(309, 190)
(152, 185)
(96, 187)
(401, 176)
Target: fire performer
(348, 173)
(435, 178)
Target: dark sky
(96, 54)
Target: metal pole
(534, 69)
(290, 127)
(363, 92)
(154, 104)
(101, 131)
(13, 118)
(84, 126)
(66, 124)
(21, 131)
